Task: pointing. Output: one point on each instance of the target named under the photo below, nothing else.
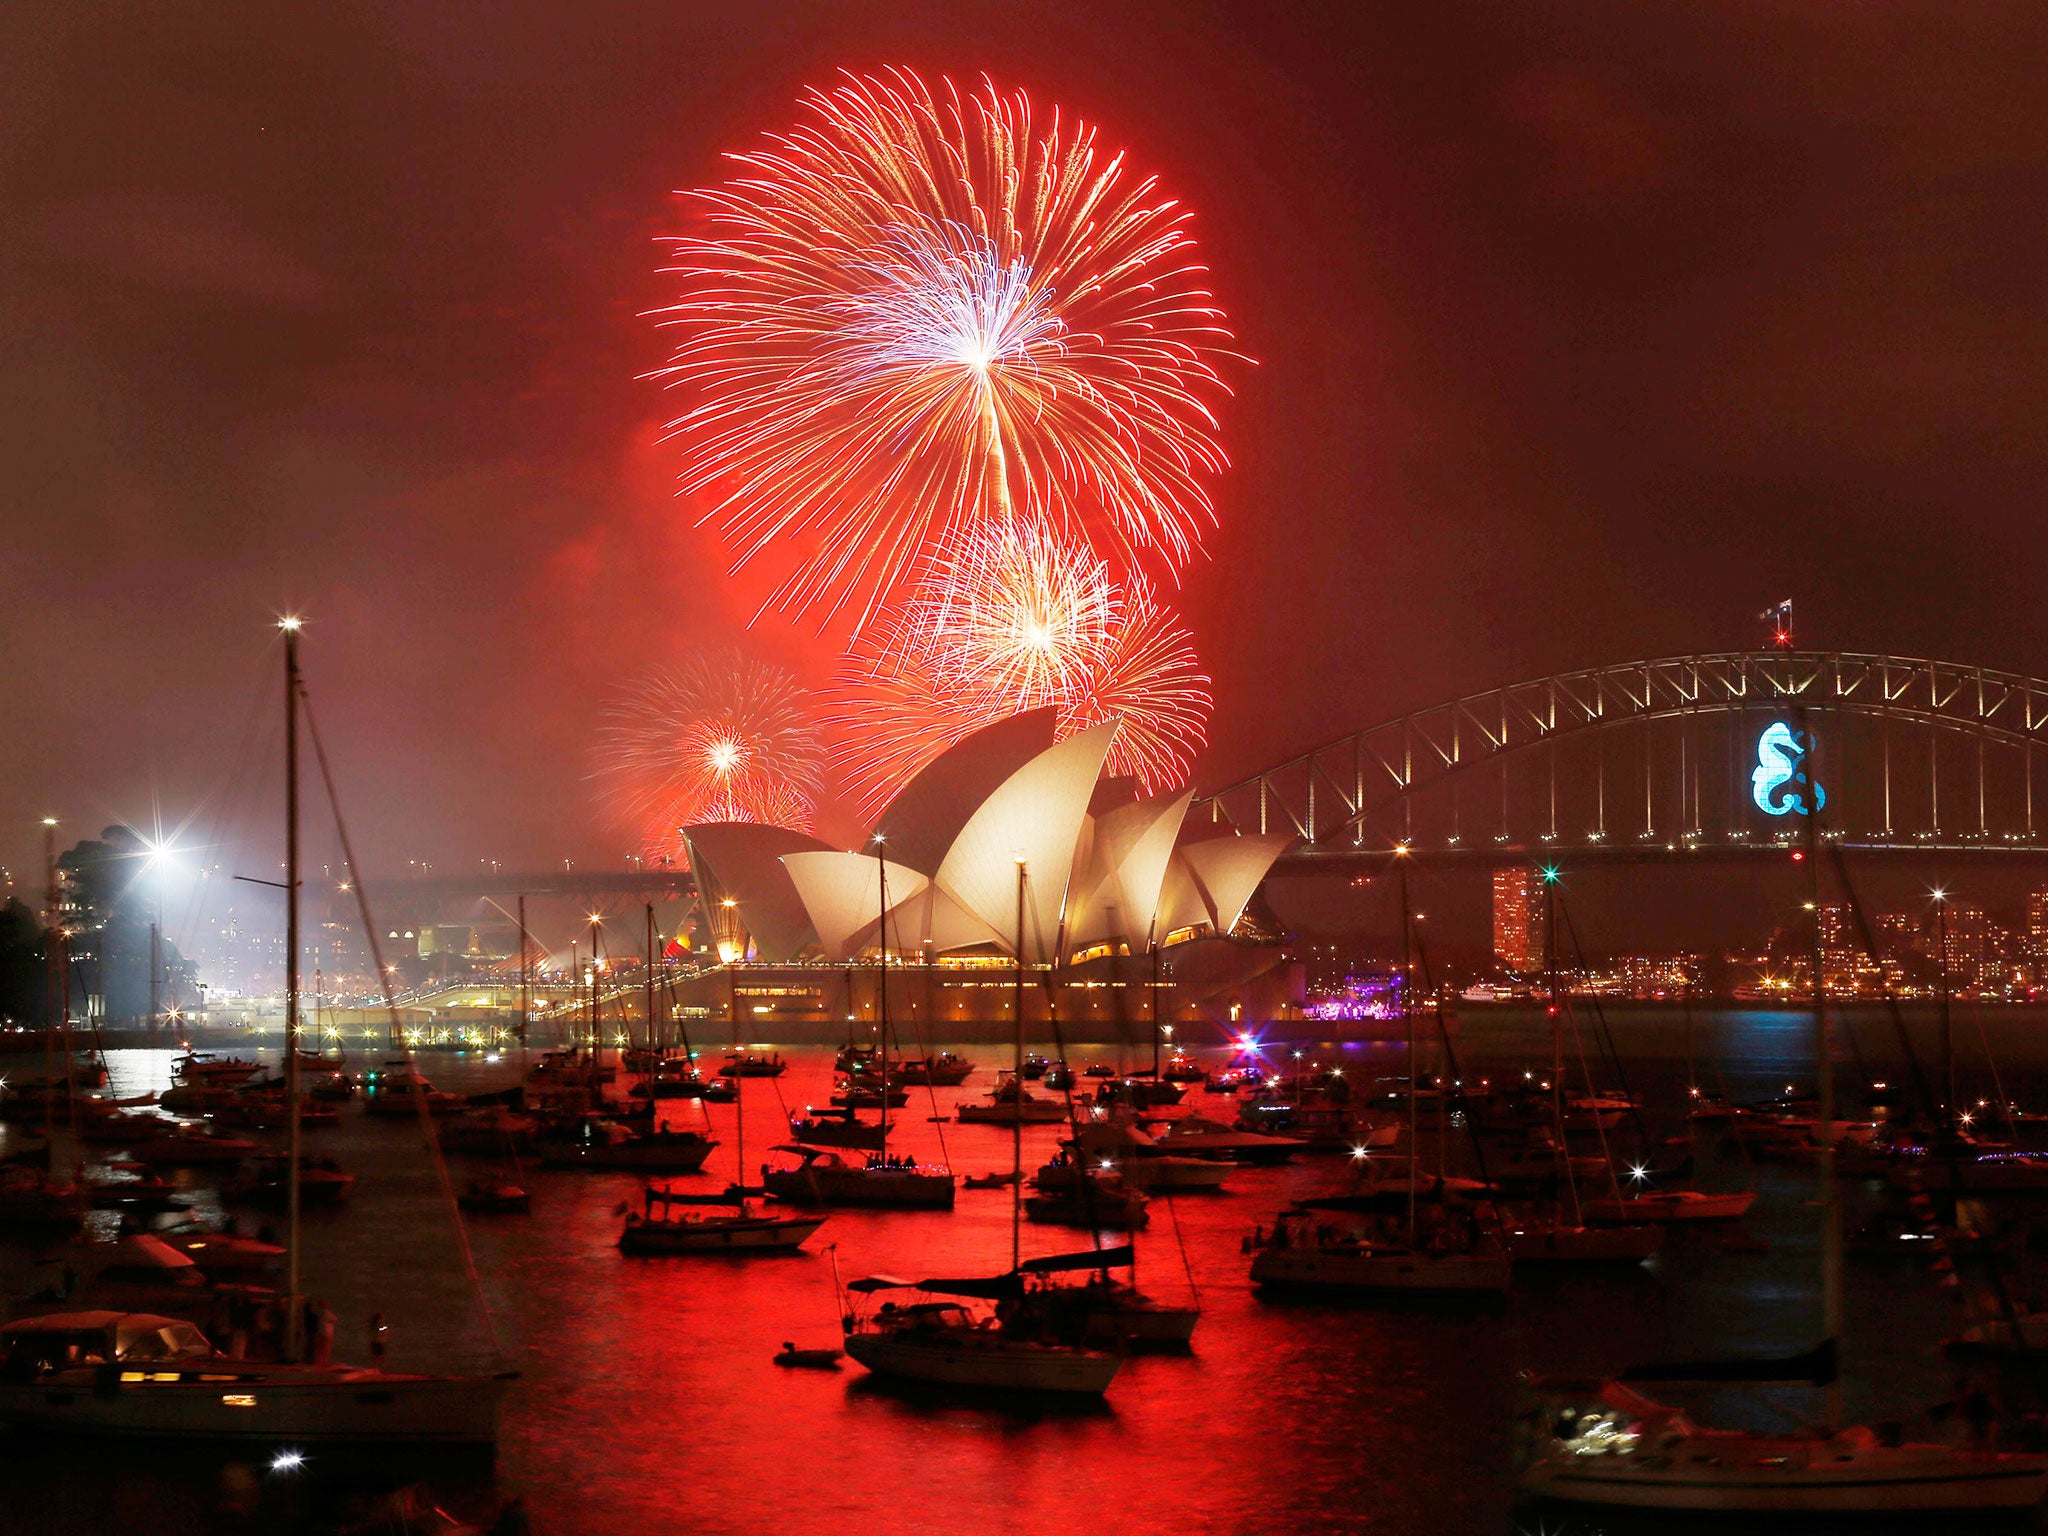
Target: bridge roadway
(1487, 853)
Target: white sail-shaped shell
(741, 862)
(843, 892)
(1229, 870)
(1035, 817)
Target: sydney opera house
(1009, 856)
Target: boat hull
(1010, 1114)
(438, 1409)
(881, 1187)
(1666, 1208)
(1878, 1481)
(959, 1358)
(1381, 1273)
(717, 1235)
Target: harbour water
(647, 1400)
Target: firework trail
(1018, 620)
(920, 309)
(718, 737)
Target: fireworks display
(719, 737)
(921, 309)
(1018, 620)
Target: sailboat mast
(1017, 1089)
(1824, 1063)
(291, 980)
(57, 1025)
(1564, 1146)
(652, 1043)
(730, 947)
(1948, 1033)
(525, 973)
(882, 986)
(1408, 1019)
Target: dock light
(1358, 1153)
(1638, 1172)
(287, 1461)
(290, 623)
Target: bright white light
(287, 1461)
(290, 623)
(1638, 1172)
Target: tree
(24, 982)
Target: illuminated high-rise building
(2037, 925)
(1518, 919)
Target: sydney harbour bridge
(1641, 761)
(1667, 761)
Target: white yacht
(942, 1342)
(1615, 1447)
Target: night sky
(1584, 332)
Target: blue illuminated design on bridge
(1780, 761)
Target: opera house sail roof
(947, 851)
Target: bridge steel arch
(1338, 795)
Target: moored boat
(822, 1177)
(943, 1343)
(146, 1376)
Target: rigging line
(1923, 1086)
(1606, 1037)
(1457, 1086)
(1946, 1139)
(362, 895)
(1085, 1185)
(2005, 1105)
(931, 1092)
(1571, 1020)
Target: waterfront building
(1008, 852)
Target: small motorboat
(1102, 1201)
(989, 1180)
(498, 1197)
(224, 1255)
(659, 1231)
(837, 1128)
(754, 1066)
(1011, 1103)
(205, 1066)
(1670, 1205)
(144, 1192)
(191, 1149)
(790, 1358)
(268, 1182)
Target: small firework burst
(1019, 619)
(718, 737)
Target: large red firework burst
(922, 308)
(1017, 619)
(718, 737)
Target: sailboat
(943, 1341)
(149, 1377)
(673, 1223)
(1357, 1245)
(819, 1177)
(1609, 1445)
(1551, 1239)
